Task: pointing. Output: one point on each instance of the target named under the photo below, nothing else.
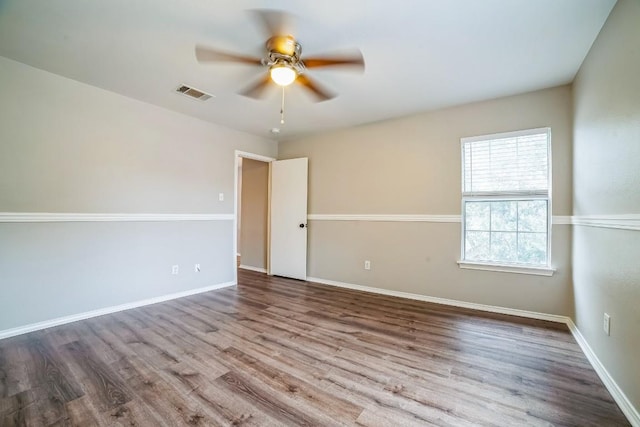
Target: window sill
(507, 268)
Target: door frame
(246, 155)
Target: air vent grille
(193, 93)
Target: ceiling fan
(282, 58)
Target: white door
(288, 248)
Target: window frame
(493, 196)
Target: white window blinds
(514, 164)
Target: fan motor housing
(284, 45)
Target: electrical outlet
(196, 268)
(175, 269)
(221, 197)
(367, 265)
(606, 325)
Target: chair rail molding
(618, 221)
(107, 217)
(557, 219)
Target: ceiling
(420, 54)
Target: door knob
(302, 225)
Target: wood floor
(276, 352)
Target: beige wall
(412, 166)
(607, 181)
(255, 180)
(67, 147)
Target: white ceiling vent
(193, 93)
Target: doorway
(251, 230)
(270, 220)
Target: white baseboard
(107, 310)
(451, 302)
(618, 395)
(616, 392)
(250, 268)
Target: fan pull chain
(282, 108)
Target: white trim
(251, 268)
(505, 268)
(512, 134)
(508, 195)
(107, 310)
(561, 220)
(444, 301)
(107, 217)
(252, 156)
(386, 218)
(557, 219)
(621, 222)
(618, 395)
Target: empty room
(286, 213)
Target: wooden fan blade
(256, 90)
(320, 93)
(354, 59)
(274, 22)
(207, 54)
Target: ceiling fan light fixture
(283, 75)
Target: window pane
(516, 163)
(478, 216)
(533, 162)
(504, 177)
(532, 248)
(532, 215)
(467, 165)
(506, 231)
(476, 246)
(504, 216)
(504, 246)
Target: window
(506, 201)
